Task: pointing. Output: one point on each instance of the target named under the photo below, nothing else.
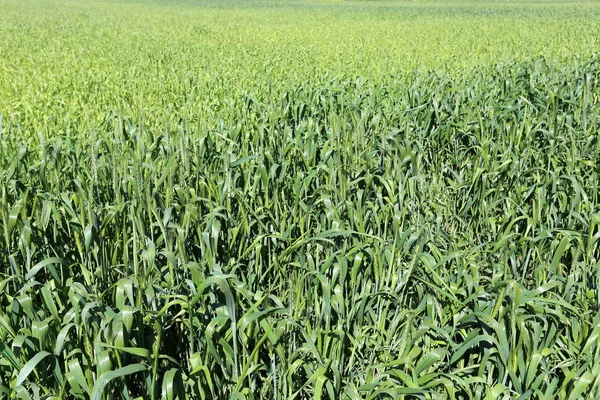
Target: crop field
(299, 199)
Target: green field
(299, 199)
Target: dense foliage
(352, 232)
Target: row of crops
(435, 237)
(283, 199)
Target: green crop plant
(272, 200)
